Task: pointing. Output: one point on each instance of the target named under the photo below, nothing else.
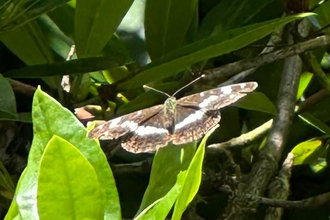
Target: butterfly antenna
(195, 80)
(156, 90)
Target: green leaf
(66, 173)
(95, 23)
(304, 81)
(50, 118)
(166, 25)
(167, 164)
(7, 100)
(315, 122)
(17, 13)
(257, 101)
(28, 43)
(323, 14)
(307, 152)
(84, 65)
(228, 14)
(207, 48)
(160, 208)
(193, 179)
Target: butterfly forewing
(219, 97)
(192, 123)
(120, 126)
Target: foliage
(87, 53)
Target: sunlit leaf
(68, 186)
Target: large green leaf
(193, 179)
(68, 186)
(167, 164)
(50, 118)
(207, 48)
(95, 22)
(160, 208)
(166, 24)
(257, 101)
(28, 43)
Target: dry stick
(242, 65)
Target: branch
(266, 165)
(279, 188)
(312, 202)
(242, 65)
(245, 139)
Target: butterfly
(176, 121)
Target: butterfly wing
(120, 126)
(148, 137)
(217, 98)
(192, 123)
(198, 113)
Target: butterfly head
(170, 105)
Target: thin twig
(245, 139)
(311, 62)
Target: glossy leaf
(160, 208)
(50, 118)
(164, 177)
(163, 31)
(193, 179)
(68, 186)
(95, 23)
(257, 101)
(207, 48)
(307, 152)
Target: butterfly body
(178, 121)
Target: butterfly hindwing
(192, 123)
(148, 137)
(120, 126)
(219, 97)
